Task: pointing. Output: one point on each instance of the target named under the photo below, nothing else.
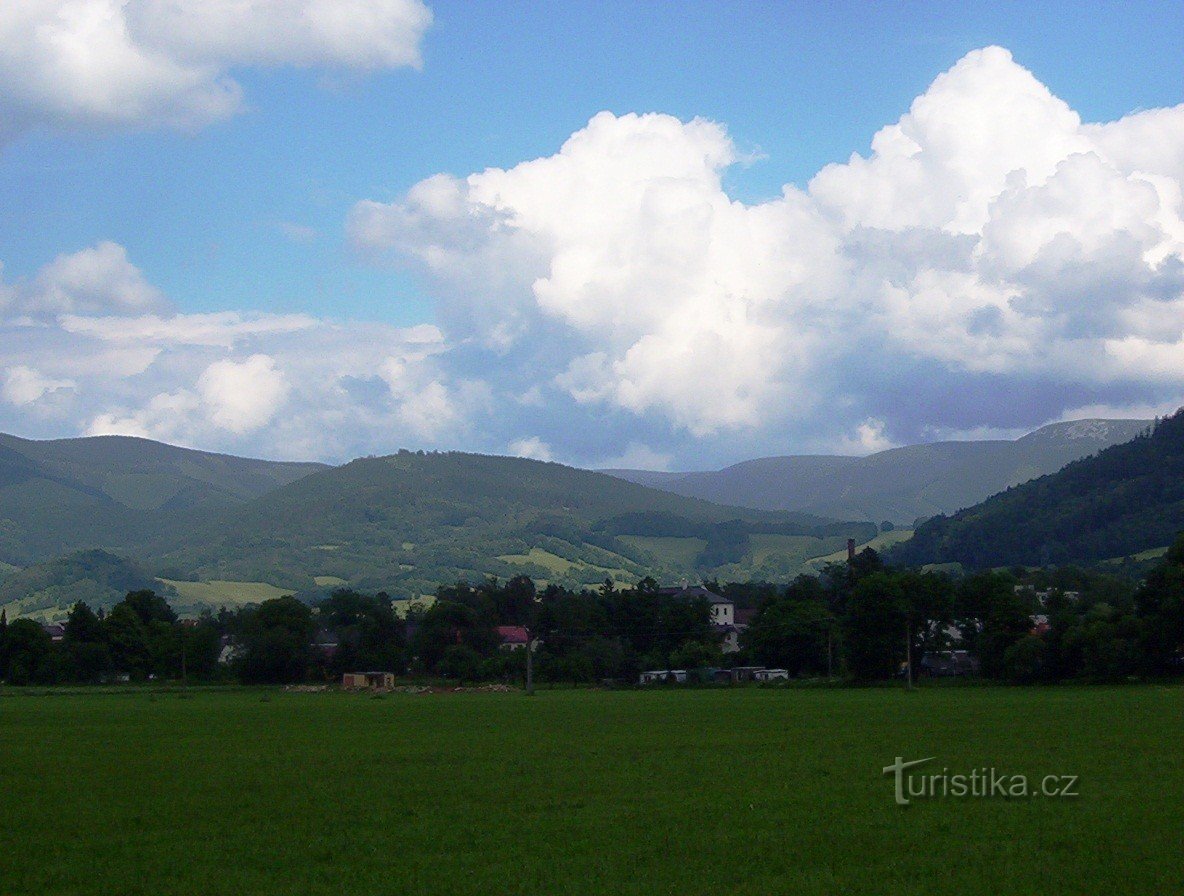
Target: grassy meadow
(689, 792)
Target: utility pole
(830, 630)
(908, 653)
(529, 663)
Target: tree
(1025, 661)
(877, 614)
(28, 653)
(792, 632)
(276, 642)
(369, 633)
(86, 644)
(128, 639)
(150, 607)
(446, 624)
(1160, 602)
(993, 616)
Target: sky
(672, 236)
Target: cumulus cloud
(85, 63)
(243, 395)
(96, 280)
(990, 239)
(990, 264)
(78, 353)
(531, 447)
(24, 385)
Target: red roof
(513, 634)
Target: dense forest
(858, 621)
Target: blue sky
(249, 210)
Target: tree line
(861, 621)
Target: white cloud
(166, 416)
(243, 395)
(991, 264)
(222, 328)
(165, 62)
(990, 236)
(96, 280)
(531, 447)
(637, 456)
(25, 385)
(868, 438)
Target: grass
(679, 553)
(789, 548)
(584, 792)
(327, 581)
(560, 566)
(224, 594)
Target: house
(722, 608)
(513, 637)
(326, 644)
(375, 681)
(723, 613)
(55, 631)
(228, 650)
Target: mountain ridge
(899, 484)
(1124, 500)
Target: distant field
(560, 566)
(329, 581)
(879, 543)
(790, 548)
(585, 792)
(224, 594)
(678, 552)
(1153, 554)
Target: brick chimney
(850, 550)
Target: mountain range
(88, 516)
(901, 485)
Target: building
(513, 637)
(376, 681)
(55, 631)
(663, 676)
(723, 614)
(770, 675)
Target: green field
(685, 792)
(679, 553)
(224, 594)
(559, 566)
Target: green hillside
(115, 492)
(1125, 500)
(408, 522)
(48, 590)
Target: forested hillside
(116, 492)
(1127, 499)
(412, 520)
